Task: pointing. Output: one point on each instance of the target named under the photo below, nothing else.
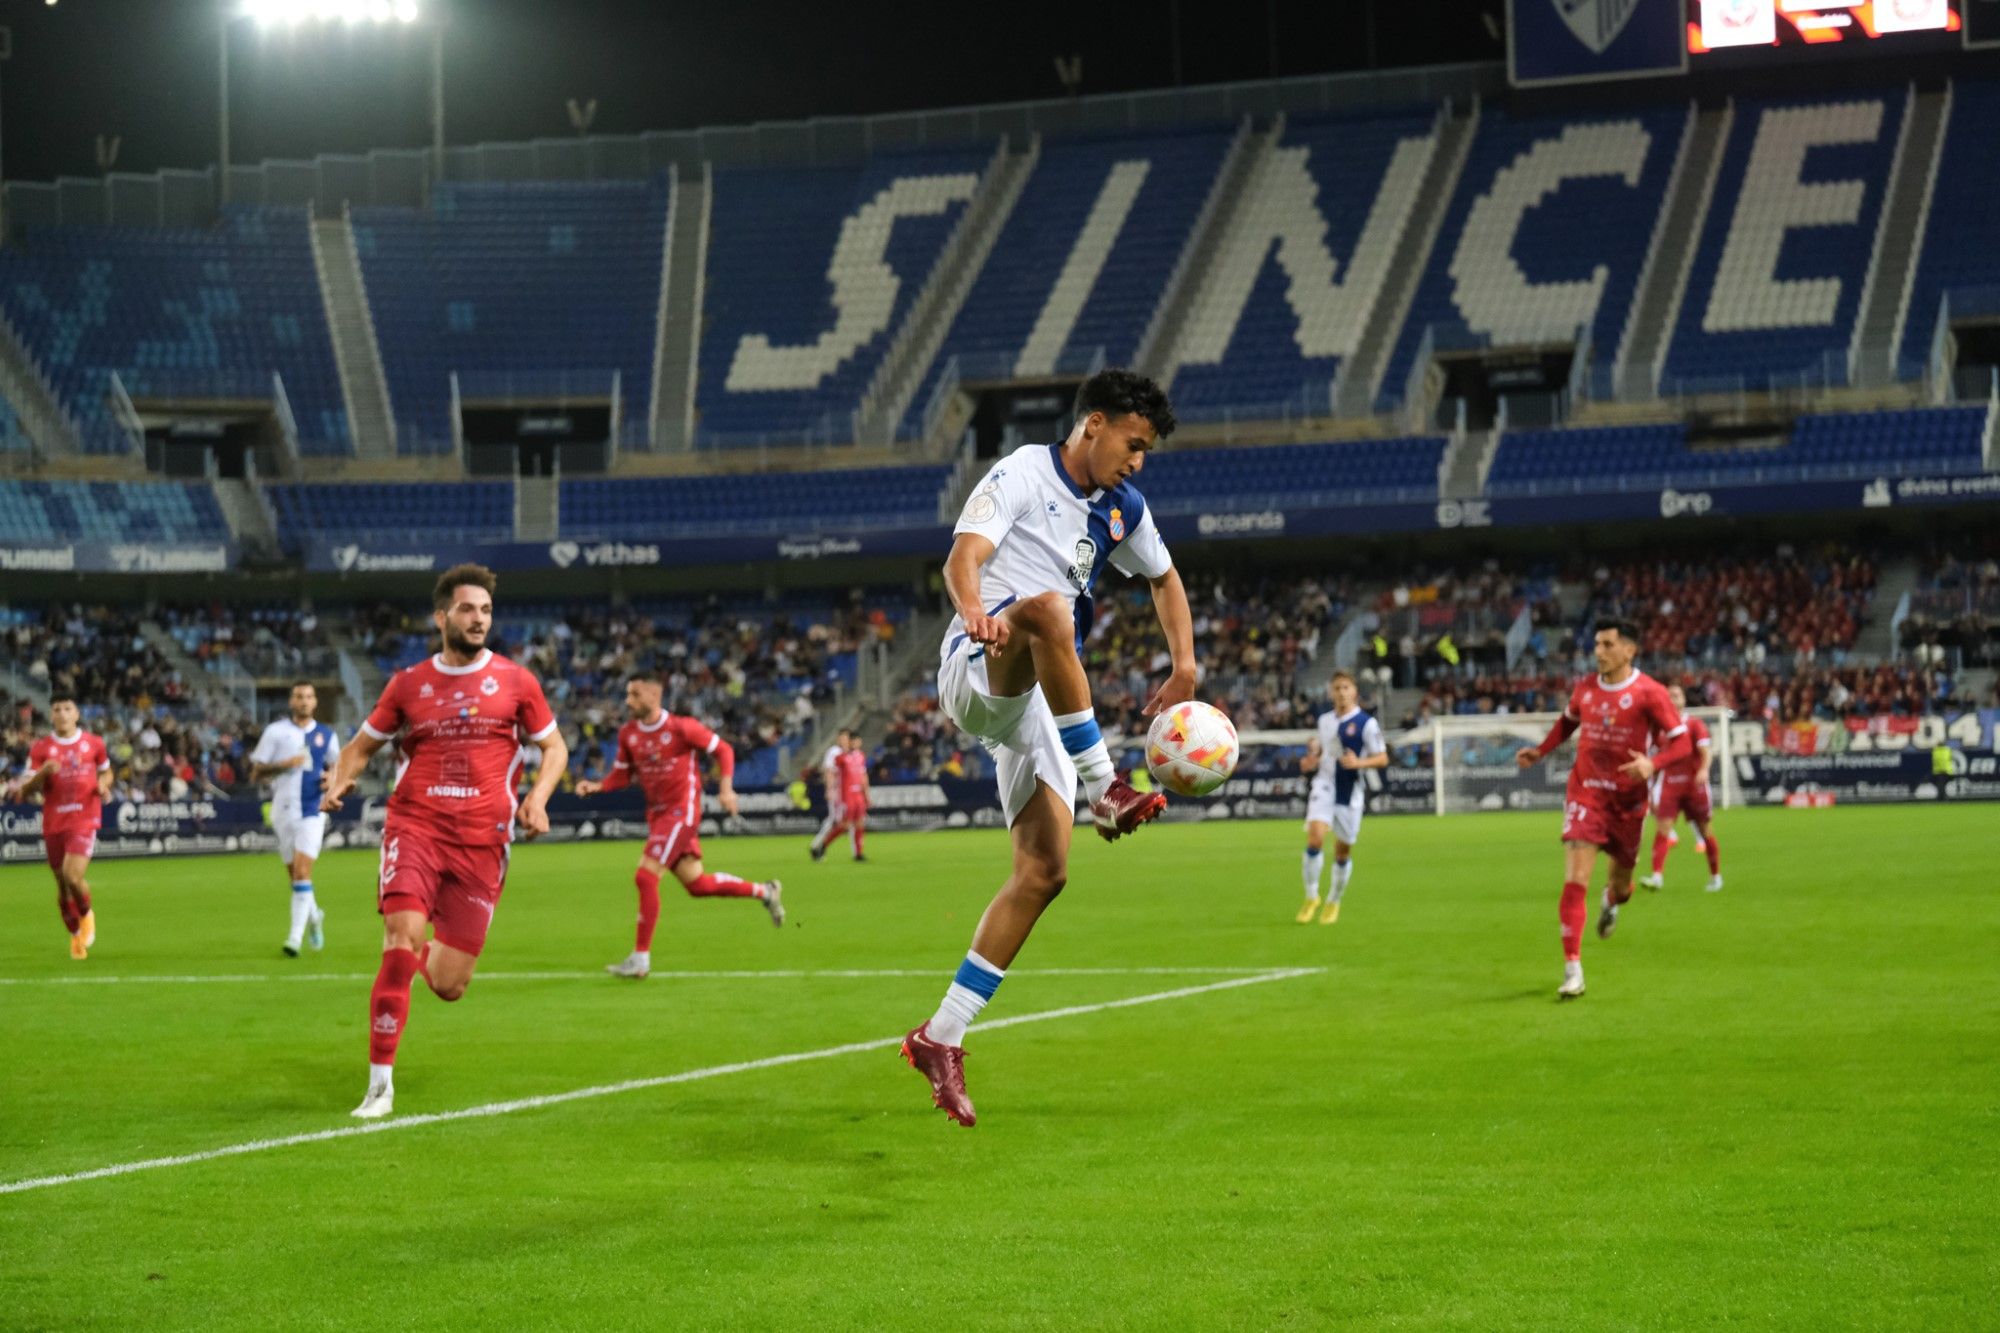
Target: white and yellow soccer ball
(1191, 749)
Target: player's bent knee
(449, 991)
(1049, 614)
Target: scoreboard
(1793, 27)
(1581, 41)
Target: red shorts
(72, 842)
(1681, 798)
(1612, 821)
(455, 886)
(670, 842)
(853, 808)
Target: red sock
(1575, 908)
(649, 907)
(389, 1004)
(857, 839)
(72, 918)
(718, 885)
(1660, 846)
(83, 902)
(1714, 857)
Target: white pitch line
(629, 1085)
(742, 974)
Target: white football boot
(635, 966)
(1572, 987)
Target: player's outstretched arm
(534, 812)
(1560, 732)
(1170, 603)
(354, 757)
(969, 552)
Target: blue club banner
(1584, 41)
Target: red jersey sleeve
(38, 754)
(621, 764)
(103, 753)
(696, 736)
(535, 716)
(1669, 731)
(387, 718)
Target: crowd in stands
(1758, 609)
(164, 744)
(1454, 621)
(1954, 617)
(266, 642)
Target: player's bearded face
(465, 624)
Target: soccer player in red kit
(459, 720)
(1622, 714)
(665, 754)
(72, 770)
(1682, 789)
(846, 772)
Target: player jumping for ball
(1682, 789)
(459, 719)
(1025, 555)
(665, 753)
(72, 770)
(1622, 713)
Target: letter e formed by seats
(1748, 294)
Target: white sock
(1309, 867)
(1092, 760)
(825, 834)
(1342, 872)
(968, 993)
(1609, 906)
(643, 957)
(381, 1076)
(302, 908)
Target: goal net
(1473, 768)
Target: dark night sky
(146, 69)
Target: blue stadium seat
(776, 363)
(640, 507)
(1968, 187)
(463, 510)
(178, 313)
(1182, 480)
(528, 278)
(1162, 181)
(1588, 223)
(1739, 330)
(109, 511)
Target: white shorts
(1344, 820)
(298, 835)
(1018, 730)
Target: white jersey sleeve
(267, 746)
(998, 502)
(1372, 742)
(1143, 554)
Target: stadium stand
(1774, 606)
(778, 363)
(114, 511)
(1967, 186)
(1182, 480)
(779, 502)
(1839, 444)
(533, 285)
(276, 643)
(1546, 233)
(1286, 301)
(177, 313)
(1078, 270)
(462, 510)
(1799, 194)
(14, 437)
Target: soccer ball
(1191, 749)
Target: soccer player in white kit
(294, 755)
(1025, 556)
(1349, 741)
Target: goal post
(1473, 765)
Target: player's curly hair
(1115, 392)
(449, 582)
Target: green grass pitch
(1779, 1105)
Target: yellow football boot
(1330, 913)
(1307, 912)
